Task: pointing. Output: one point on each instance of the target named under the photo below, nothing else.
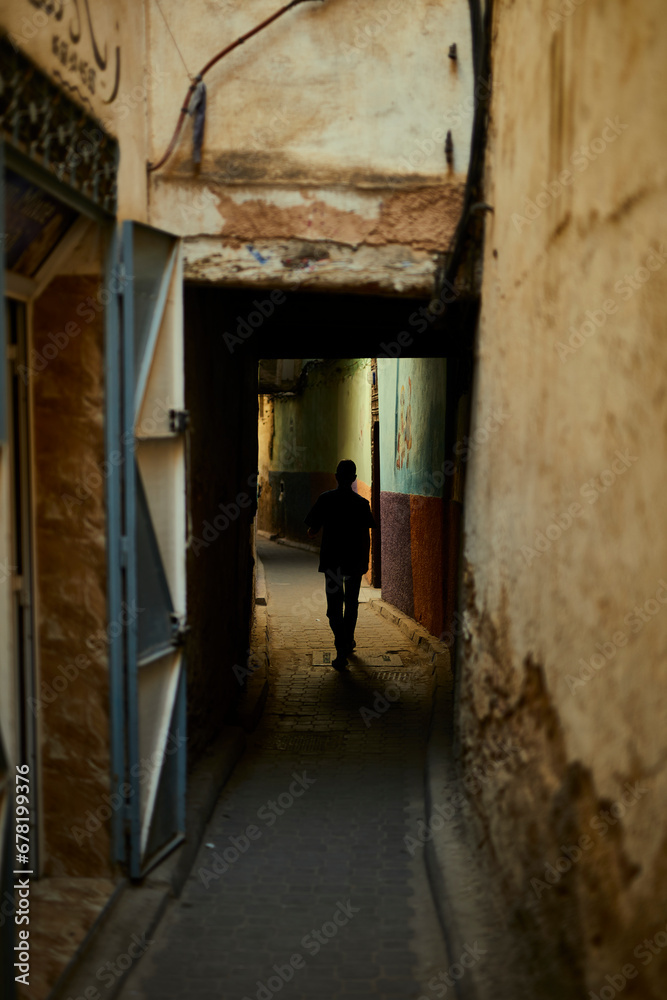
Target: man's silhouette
(345, 518)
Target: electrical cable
(472, 198)
(209, 65)
(188, 73)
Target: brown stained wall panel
(70, 529)
(426, 554)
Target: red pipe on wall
(229, 48)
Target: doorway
(22, 554)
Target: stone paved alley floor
(319, 896)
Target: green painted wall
(354, 418)
(412, 396)
(329, 421)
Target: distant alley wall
(302, 438)
(412, 397)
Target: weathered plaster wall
(412, 398)
(302, 265)
(330, 126)
(424, 218)
(312, 68)
(564, 635)
(305, 436)
(70, 530)
(97, 53)
(265, 432)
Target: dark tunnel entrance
(411, 376)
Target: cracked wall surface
(329, 126)
(563, 623)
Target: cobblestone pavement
(304, 885)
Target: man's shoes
(340, 662)
(351, 648)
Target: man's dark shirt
(345, 518)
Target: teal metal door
(153, 429)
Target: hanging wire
(189, 74)
(197, 79)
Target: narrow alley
(303, 883)
(459, 206)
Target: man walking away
(345, 518)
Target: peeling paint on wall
(404, 437)
(423, 218)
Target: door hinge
(127, 833)
(178, 421)
(21, 591)
(179, 629)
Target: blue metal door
(153, 542)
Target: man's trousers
(342, 607)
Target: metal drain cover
(383, 660)
(323, 657)
(308, 743)
(401, 677)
